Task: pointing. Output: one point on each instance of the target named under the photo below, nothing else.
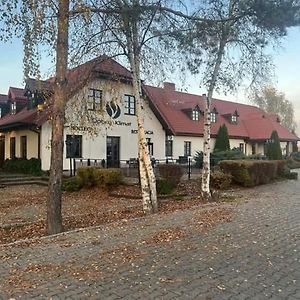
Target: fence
(130, 167)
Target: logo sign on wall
(113, 110)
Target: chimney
(170, 86)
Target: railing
(130, 167)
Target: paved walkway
(255, 256)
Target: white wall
(197, 144)
(96, 126)
(32, 143)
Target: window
(187, 148)
(129, 105)
(13, 108)
(169, 148)
(74, 146)
(195, 115)
(213, 117)
(0, 112)
(23, 146)
(150, 146)
(253, 149)
(94, 99)
(242, 147)
(12, 147)
(233, 119)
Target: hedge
(30, 166)
(172, 173)
(251, 173)
(91, 176)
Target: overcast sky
(287, 62)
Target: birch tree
(130, 29)
(233, 48)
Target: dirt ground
(23, 208)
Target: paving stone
(255, 256)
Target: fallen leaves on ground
(84, 208)
(206, 219)
(165, 236)
(26, 277)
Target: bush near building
(273, 148)
(220, 180)
(222, 140)
(30, 166)
(171, 172)
(250, 173)
(88, 177)
(216, 157)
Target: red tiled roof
(17, 94)
(253, 123)
(77, 78)
(3, 98)
(24, 116)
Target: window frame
(234, 119)
(187, 148)
(23, 146)
(129, 105)
(78, 146)
(213, 117)
(92, 103)
(195, 115)
(12, 147)
(169, 148)
(13, 107)
(242, 147)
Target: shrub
(172, 173)
(296, 156)
(87, 176)
(111, 177)
(256, 157)
(273, 148)
(25, 166)
(251, 173)
(72, 184)
(163, 186)
(292, 163)
(216, 157)
(91, 176)
(222, 139)
(220, 180)
(292, 175)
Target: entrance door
(2, 150)
(113, 151)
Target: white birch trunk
(147, 176)
(205, 183)
(205, 187)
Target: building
(101, 122)
(182, 114)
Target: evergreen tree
(222, 140)
(273, 149)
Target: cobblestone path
(255, 256)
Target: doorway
(113, 151)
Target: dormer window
(213, 117)
(13, 108)
(195, 115)
(234, 117)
